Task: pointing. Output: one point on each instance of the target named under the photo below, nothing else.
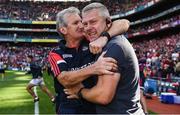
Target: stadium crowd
(155, 25)
(46, 11)
(14, 56)
(157, 57)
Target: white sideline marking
(36, 104)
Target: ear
(108, 22)
(63, 30)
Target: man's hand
(73, 91)
(105, 65)
(97, 45)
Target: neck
(73, 43)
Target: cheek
(99, 31)
(87, 37)
(100, 28)
(74, 30)
(85, 29)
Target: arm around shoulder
(69, 78)
(119, 27)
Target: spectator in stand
(159, 52)
(14, 56)
(11, 55)
(154, 25)
(46, 11)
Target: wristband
(106, 34)
(80, 94)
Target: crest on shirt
(84, 48)
(67, 55)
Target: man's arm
(105, 88)
(102, 93)
(70, 78)
(117, 27)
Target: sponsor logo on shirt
(77, 68)
(61, 61)
(84, 48)
(67, 55)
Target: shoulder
(57, 50)
(119, 39)
(33, 63)
(116, 47)
(56, 53)
(116, 42)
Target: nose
(87, 27)
(81, 25)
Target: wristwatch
(80, 94)
(106, 34)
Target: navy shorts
(2, 70)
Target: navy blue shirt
(35, 69)
(69, 59)
(127, 95)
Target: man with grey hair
(72, 63)
(118, 93)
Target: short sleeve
(57, 63)
(115, 51)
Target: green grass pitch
(14, 99)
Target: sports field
(14, 98)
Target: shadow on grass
(26, 108)
(14, 99)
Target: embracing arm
(60, 69)
(104, 91)
(119, 27)
(104, 65)
(69, 78)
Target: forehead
(90, 15)
(72, 17)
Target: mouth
(92, 34)
(80, 31)
(91, 37)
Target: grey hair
(102, 9)
(61, 20)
